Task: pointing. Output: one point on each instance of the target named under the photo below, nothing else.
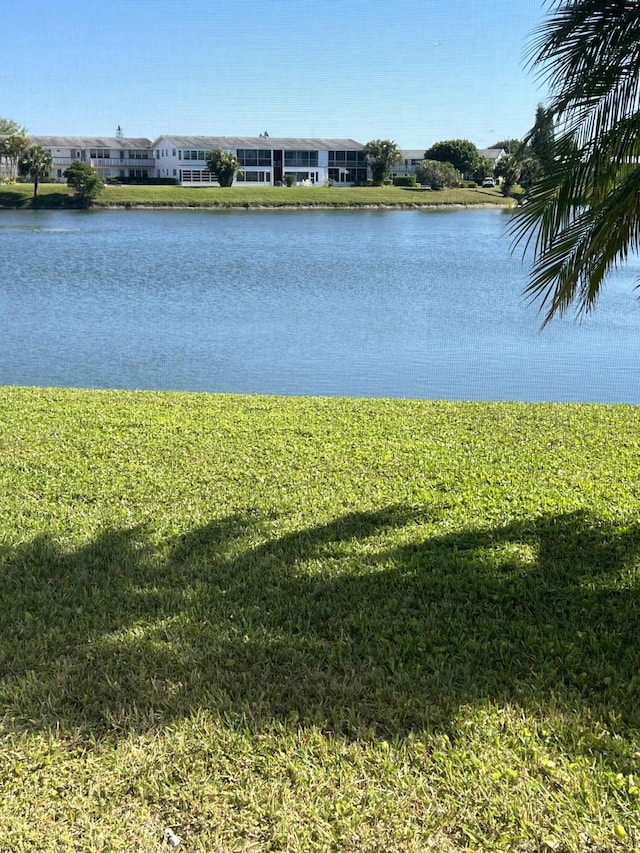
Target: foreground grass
(317, 625)
(57, 196)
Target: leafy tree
(541, 137)
(482, 169)
(583, 217)
(508, 169)
(11, 150)
(37, 163)
(461, 153)
(382, 155)
(9, 127)
(84, 180)
(531, 170)
(224, 165)
(522, 164)
(436, 174)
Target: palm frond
(583, 217)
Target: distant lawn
(273, 624)
(55, 195)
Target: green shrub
(290, 180)
(437, 175)
(404, 181)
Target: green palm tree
(11, 149)
(583, 217)
(37, 163)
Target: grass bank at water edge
(269, 624)
(56, 196)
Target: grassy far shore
(52, 196)
(276, 624)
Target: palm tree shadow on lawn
(47, 201)
(330, 625)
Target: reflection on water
(359, 303)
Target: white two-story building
(263, 159)
(112, 157)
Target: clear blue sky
(416, 71)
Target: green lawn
(55, 195)
(275, 624)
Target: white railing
(103, 162)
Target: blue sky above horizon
(416, 71)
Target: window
(99, 153)
(254, 156)
(300, 158)
(352, 158)
(251, 177)
(174, 152)
(347, 176)
(195, 155)
(303, 176)
(190, 176)
(139, 154)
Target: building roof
(266, 142)
(413, 153)
(90, 142)
(492, 153)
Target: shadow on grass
(9, 198)
(45, 201)
(361, 626)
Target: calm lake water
(422, 304)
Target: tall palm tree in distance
(36, 162)
(583, 217)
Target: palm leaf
(582, 218)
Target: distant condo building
(111, 157)
(183, 159)
(263, 159)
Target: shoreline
(139, 197)
(248, 206)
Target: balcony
(112, 162)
